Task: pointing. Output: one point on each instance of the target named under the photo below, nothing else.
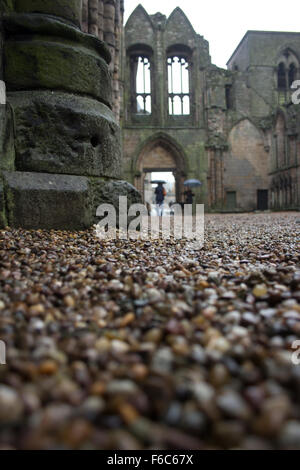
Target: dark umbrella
(192, 183)
(158, 182)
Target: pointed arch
(140, 63)
(160, 152)
(287, 54)
(166, 141)
(287, 70)
(248, 120)
(179, 38)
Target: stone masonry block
(37, 200)
(63, 133)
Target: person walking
(188, 196)
(160, 194)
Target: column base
(61, 202)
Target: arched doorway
(160, 155)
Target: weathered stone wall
(246, 164)
(258, 97)
(159, 157)
(104, 19)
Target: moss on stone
(46, 26)
(51, 65)
(67, 9)
(7, 150)
(3, 220)
(6, 6)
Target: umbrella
(192, 183)
(158, 182)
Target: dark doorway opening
(231, 200)
(262, 199)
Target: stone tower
(60, 153)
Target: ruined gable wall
(158, 35)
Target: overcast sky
(224, 22)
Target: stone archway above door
(161, 155)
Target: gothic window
(141, 84)
(229, 97)
(281, 74)
(287, 70)
(292, 74)
(179, 85)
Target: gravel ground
(144, 345)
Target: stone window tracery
(179, 85)
(287, 70)
(141, 84)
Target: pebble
(119, 347)
(290, 436)
(214, 276)
(219, 376)
(229, 434)
(69, 301)
(11, 406)
(36, 310)
(162, 361)
(260, 290)
(92, 407)
(219, 344)
(48, 368)
(153, 336)
(204, 393)
(233, 405)
(121, 387)
(154, 295)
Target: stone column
(65, 158)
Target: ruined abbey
(93, 107)
(236, 130)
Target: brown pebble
(127, 320)
(69, 301)
(139, 371)
(48, 368)
(129, 413)
(36, 310)
(98, 388)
